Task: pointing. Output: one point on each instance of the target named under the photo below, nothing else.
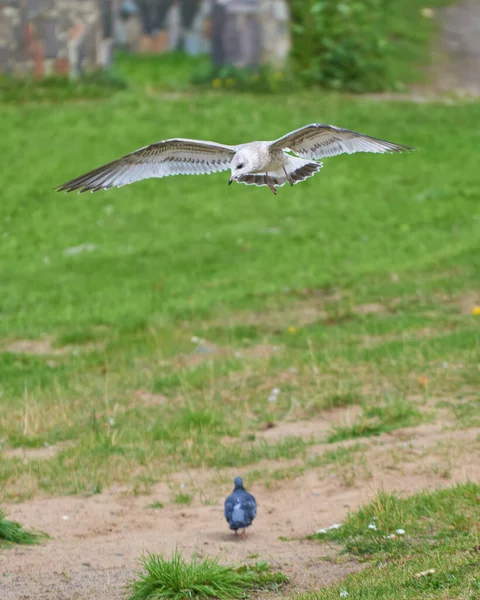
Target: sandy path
(95, 550)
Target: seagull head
(240, 166)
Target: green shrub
(340, 44)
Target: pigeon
(240, 507)
(254, 163)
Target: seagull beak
(230, 181)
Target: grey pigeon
(240, 507)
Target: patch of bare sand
(297, 314)
(316, 429)
(468, 301)
(97, 541)
(205, 352)
(301, 314)
(40, 347)
(41, 453)
(46, 346)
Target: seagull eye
(240, 166)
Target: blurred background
(359, 46)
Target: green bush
(340, 44)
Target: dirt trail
(96, 541)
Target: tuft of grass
(177, 579)
(183, 498)
(395, 413)
(156, 505)
(15, 533)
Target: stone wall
(55, 36)
(236, 32)
(71, 36)
(250, 32)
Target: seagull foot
(289, 179)
(268, 181)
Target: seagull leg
(289, 179)
(268, 181)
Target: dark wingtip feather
(403, 148)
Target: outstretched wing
(321, 141)
(170, 157)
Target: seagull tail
(297, 169)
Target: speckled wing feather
(278, 179)
(250, 506)
(228, 507)
(169, 157)
(321, 141)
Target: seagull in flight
(293, 158)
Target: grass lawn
(425, 546)
(138, 319)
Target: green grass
(421, 547)
(374, 420)
(155, 505)
(91, 86)
(173, 71)
(175, 579)
(12, 532)
(182, 498)
(154, 345)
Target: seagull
(255, 163)
(240, 507)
